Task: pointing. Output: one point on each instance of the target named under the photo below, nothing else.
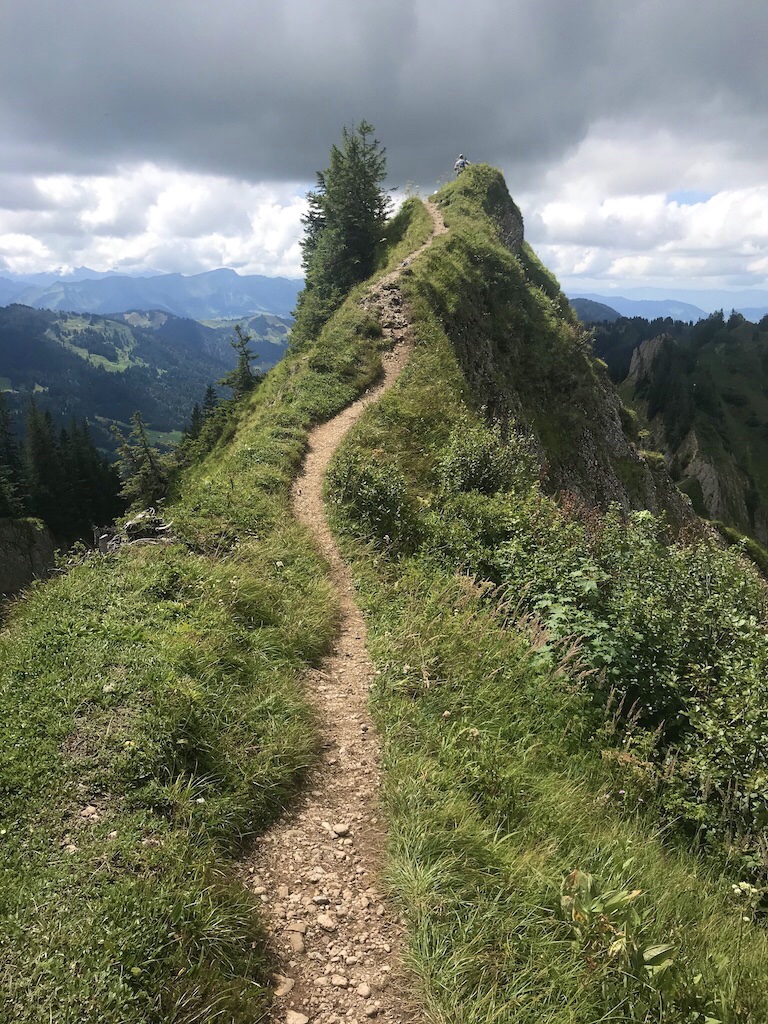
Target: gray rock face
(643, 356)
(26, 553)
(510, 226)
(723, 485)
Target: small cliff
(526, 357)
(26, 553)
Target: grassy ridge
(153, 719)
(542, 882)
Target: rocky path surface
(317, 871)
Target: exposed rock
(284, 985)
(643, 356)
(26, 553)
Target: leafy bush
(647, 979)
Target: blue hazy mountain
(590, 312)
(212, 295)
(9, 290)
(649, 309)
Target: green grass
(164, 437)
(506, 771)
(161, 687)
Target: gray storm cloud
(257, 90)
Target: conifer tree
(44, 471)
(196, 421)
(210, 401)
(11, 474)
(343, 227)
(144, 470)
(242, 379)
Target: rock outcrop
(26, 553)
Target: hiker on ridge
(460, 164)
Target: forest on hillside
(701, 394)
(56, 475)
(101, 369)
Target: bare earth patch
(317, 870)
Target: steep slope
(567, 699)
(526, 357)
(26, 553)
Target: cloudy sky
(181, 135)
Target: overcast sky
(183, 134)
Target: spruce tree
(343, 227)
(196, 421)
(210, 401)
(242, 379)
(144, 470)
(11, 473)
(44, 471)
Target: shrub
(375, 499)
(480, 458)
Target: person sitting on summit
(460, 164)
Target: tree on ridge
(343, 225)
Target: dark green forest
(56, 475)
(703, 396)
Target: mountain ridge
(215, 293)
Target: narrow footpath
(317, 871)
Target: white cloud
(155, 218)
(624, 210)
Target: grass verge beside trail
(153, 720)
(538, 884)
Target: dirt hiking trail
(317, 870)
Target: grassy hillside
(573, 707)
(524, 354)
(154, 722)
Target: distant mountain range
(652, 309)
(211, 295)
(591, 312)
